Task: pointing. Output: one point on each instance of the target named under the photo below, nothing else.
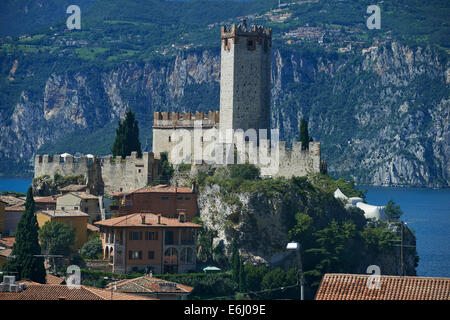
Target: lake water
(15, 184)
(427, 212)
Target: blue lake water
(427, 212)
(15, 184)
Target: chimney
(159, 219)
(143, 218)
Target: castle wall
(103, 175)
(65, 166)
(128, 174)
(298, 162)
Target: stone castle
(245, 78)
(244, 104)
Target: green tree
(167, 169)
(245, 171)
(392, 211)
(127, 137)
(92, 249)
(242, 284)
(25, 264)
(304, 135)
(235, 258)
(56, 238)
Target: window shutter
(130, 255)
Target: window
(164, 198)
(75, 208)
(180, 198)
(151, 255)
(135, 255)
(187, 198)
(151, 235)
(134, 235)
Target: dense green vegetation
(57, 238)
(333, 239)
(46, 185)
(25, 264)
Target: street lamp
(296, 246)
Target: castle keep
(245, 78)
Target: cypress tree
(304, 135)
(26, 245)
(241, 276)
(127, 137)
(235, 259)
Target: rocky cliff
(262, 219)
(382, 116)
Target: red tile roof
(7, 242)
(15, 209)
(5, 253)
(151, 220)
(62, 292)
(63, 213)
(92, 228)
(49, 279)
(74, 187)
(49, 199)
(161, 188)
(355, 287)
(147, 284)
(12, 201)
(84, 195)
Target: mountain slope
(381, 115)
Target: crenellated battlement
(242, 30)
(255, 36)
(185, 119)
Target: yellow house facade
(76, 219)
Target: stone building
(168, 201)
(103, 175)
(146, 241)
(244, 105)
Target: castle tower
(245, 77)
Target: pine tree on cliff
(304, 135)
(127, 137)
(24, 264)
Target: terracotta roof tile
(84, 195)
(92, 228)
(148, 284)
(48, 199)
(151, 220)
(5, 252)
(62, 292)
(15, 209)
(12, 201)
(7, 242)
(161, 188)
(63, 213)
(74, 187)
(354, 287)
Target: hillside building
(149, 242)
